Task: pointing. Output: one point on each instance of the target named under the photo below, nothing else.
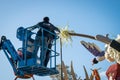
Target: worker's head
(46, 19)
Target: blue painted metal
(10, 53)
(29, 65)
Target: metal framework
(24, 65)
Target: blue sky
(83, 16)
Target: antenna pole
(61, 58)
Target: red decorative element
(113, 72)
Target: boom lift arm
(10, 53)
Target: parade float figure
(111, 54)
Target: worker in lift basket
(48, 39)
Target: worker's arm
(54, 28)
(57, 29)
